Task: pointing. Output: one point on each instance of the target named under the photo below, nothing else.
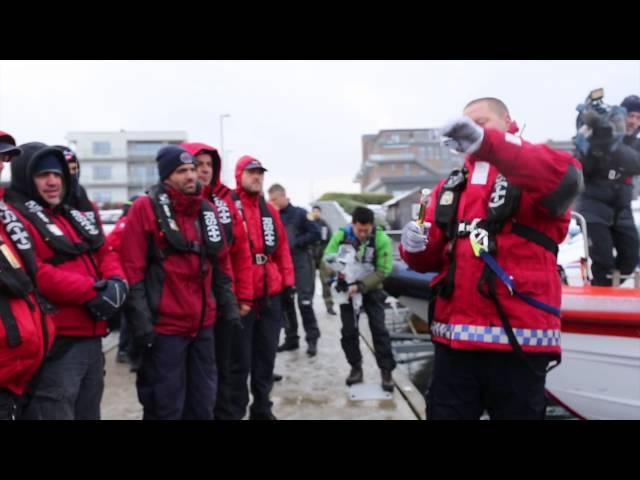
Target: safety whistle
(424, 201)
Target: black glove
(144, 341)
(111, 296)
(140, 344)
(342, 285)
(236, 322)
(289, 292)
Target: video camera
(598, 125)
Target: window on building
(102, 148)
(429, 153)
(146, 149)
(102, 172)
(143, 174)
(407, 169)
(445, 153)
(102, 197)
(421, 136)
(391, 213)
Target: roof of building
(399, 198)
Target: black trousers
(254, 354)
(224, 330)
(123, 339)
(373, 304)
(305, 287)
(70, 384)
(622, 236)
(465, 383)
(178, 379)
(8, 405)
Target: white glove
(415, 237)
(463, 135)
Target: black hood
(78, 195)
(69, 156)
(23, 166)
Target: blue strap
(508, 281)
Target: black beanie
(48, 163)
(631, 103)
(171, 157)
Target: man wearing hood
(254, 347)
(26, 333)
(78, 198)
(78, 273)
(177, 263)
(208, 167)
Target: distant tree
(362, 198)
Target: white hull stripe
(475, 333)
(593, 303)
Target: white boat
(599, 377)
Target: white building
(116, 165)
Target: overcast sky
(303, 119)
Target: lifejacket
(504, 201)
(208, 223)
(82, 203)
(224, 217)
(211, 241)
(269, 236)
(370, 254)
(92, 235)
(16, 281)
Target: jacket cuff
(491, 136)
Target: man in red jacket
(491, 232)
(26, 333)
(177, 262)
(254, 346)
(77, 273)
(208, 167)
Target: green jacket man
(373, 246)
